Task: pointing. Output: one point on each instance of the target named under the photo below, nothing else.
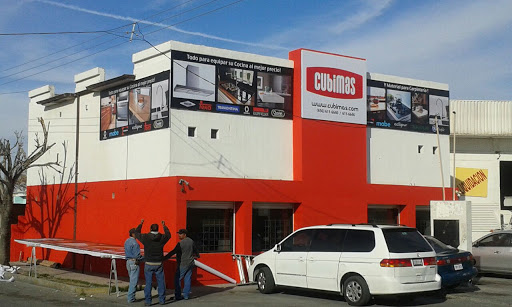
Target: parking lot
(489, 291)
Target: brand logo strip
(334, 83)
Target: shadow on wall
(47, 207)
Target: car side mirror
(475, 244)
(277, 248)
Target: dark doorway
(447, 231)
(506, 185)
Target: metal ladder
(243, 262)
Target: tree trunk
(5, 232)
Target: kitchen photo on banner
(221, 85)
(376, 97)
(134, 107)
(407, 107)
(193, 81)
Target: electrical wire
(125, 25)
(200, 15)
(62, 50)
(53, 33)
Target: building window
(214, 133)
(192, 131)
(423, 219)
(383, 215)
(211, 229)
(271, 223)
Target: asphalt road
(489, 291)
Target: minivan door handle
(301, 259)
(496, 252)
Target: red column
(408, 215)
(243, 228)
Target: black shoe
(178, 298)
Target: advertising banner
(471, 181)
(221, 85)
(407, 107)
(139, 106)
(333, 87)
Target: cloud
(14, 115)
(371, 10)
(314, 30)
(456, 42)
(170, 27)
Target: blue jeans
(182, 272)
(133, 272)
(158, 270)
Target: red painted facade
(329, 186)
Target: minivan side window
(359, 241)
(327, 240)
(298, 242)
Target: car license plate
(417, 262)
(457, 266)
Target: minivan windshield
(405, 240)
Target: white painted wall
(394, 158)
(62, 124)
(246, 147)
(454, 210)
(481, 153)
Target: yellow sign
(471, 181)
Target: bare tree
(46, 209)
(13, 162)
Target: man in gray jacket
(186, 252)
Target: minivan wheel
(355, 291)
(265, 281)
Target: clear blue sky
(466, 44)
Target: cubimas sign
(333, 87)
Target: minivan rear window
(405, 240)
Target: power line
(58, 59)
(11, 93)
(53, 53)
(200, 15)
(53, 33)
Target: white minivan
(358, 261)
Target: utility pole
(454, 169)
(133, 31)
(440, 159)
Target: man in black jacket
(153, 253)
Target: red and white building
(240, 149)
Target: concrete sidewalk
(87, 284)
(69, 280)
